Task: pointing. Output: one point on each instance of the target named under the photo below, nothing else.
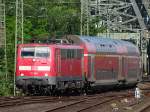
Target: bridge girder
(117, 15)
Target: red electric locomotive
(49, 66)
(88, 61)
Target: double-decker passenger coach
(109, 61)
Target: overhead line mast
(18, 32)
(19, 20)
(85, 17)
(3, 43)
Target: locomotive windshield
(35, 52)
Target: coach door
(91, 67)
(124, 68)
(58, 62)
(121, 75)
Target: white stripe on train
(38, 68)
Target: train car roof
(104, 45)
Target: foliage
(96, 27)
(42, 18)
(6, 87)
(52, 17)
(1, 60)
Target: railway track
(16, 101)
(144, 108)
(86, 104)
(89, 101)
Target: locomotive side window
(63, 53)
(71, 53)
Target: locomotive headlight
(33, 60)
(22, 74)
(46, 75)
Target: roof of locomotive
(65, 46)
(105, 45)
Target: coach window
(79, 54)
(73, 53)
(68, 54)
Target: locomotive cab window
(27, 52)
(35, 52)
(42, 52)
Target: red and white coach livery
(109, 61)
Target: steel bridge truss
(131, 16)
(116, 15)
